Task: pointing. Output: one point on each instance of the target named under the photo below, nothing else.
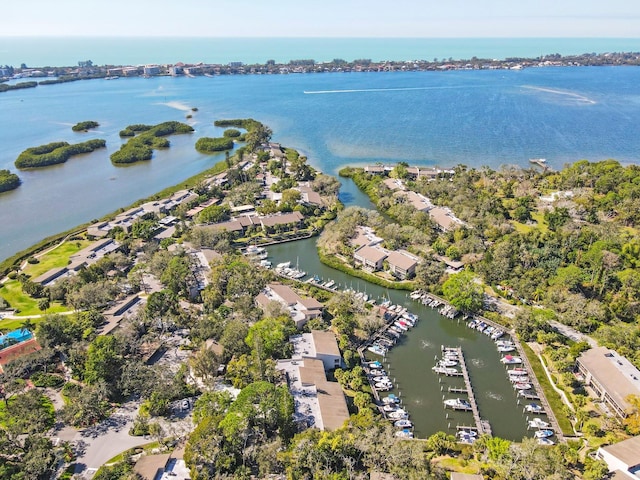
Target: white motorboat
(445, 370)
(510, 360)
(457, 404)
(391, 398)
(390, 407)
(538, 423)
(378, 350)
(445, 362)
(547, 442)
(283, 265)
(543, 433)
(383, 387)
(405, 433)
(383, 379)
(517, 371)
(506, 349)
(522, 386)
(374, 364)
(404, 423)
(533, 408)
(399, 414)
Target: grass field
(538, 217)
(552, 396)
(11, 290)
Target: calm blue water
(445, 118)
(59, 51)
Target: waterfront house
(622, 458)
(445, 218)
(365, 236)
(289, 220)
(417, 201)
(309, 197)
(402, 264)
(375, 169)
(610, 378)
(394, 184)
(300, 309)
(370, 258)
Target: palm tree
(27, 325)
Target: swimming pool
(15, 336)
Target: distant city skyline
(329, 18)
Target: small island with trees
(145, 139)
(8, 181)
(85, 126)
(55, 152)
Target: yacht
(522, 386)
(399, 414)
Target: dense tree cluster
(149, 138)
(8, 181)
(211, 145)
(55, 152)
(20, 85)
(85, 126)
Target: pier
(483, 427)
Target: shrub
(85, 126)
(232, 133)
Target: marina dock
(483, 427)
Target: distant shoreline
(86, 70)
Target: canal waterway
(409, 363)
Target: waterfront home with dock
(402, 264)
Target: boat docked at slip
(533, 408)
(383, 387)
(374, 364)
(446, 370)
(467, 436)
(404, 423)
(522, 386)
(515, 372)
(377, 349)
(510, 360)
(390, 407)
(545, 433)
(538, 423)
(391, 398)
(457, 404)
(545, 442)
(506, 348)
(404, 433)
(399, 414)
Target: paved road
(573, 334)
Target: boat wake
(177, 105)
(576, 96)
(477, 362)
(398, 89)
(494, 396)
(426, 344)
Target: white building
(623, 458)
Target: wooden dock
(484, 428)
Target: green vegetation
(232, 133)
(256, 135)
(149, 138)
(211, 145)
(8, 181)
(85, 126)
(54, 153)
(5, 88)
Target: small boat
(533, 408)
(383, 379)
(517, 371)
(464, 436)
(374, 364)
(538, 423)
(445, 370)
(378, 373)
(506, 349)
(446, 362)
(283, 265)
(404, 433)
(404, 423)
(543, 433)
(457, 404)
(391, 398)
(416, 294)
(509, 360)
(412, 317)
(399, 414)
(390, 407)
(329, 284)
(522, 386)
(378, 350)
(383, 387)
(465, 432)
(547, 442)
(253, 249)
(402, 327)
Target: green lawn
(552, 396)
(59, 257)
(538, 217)
(12, 292)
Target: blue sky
(323, 18)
